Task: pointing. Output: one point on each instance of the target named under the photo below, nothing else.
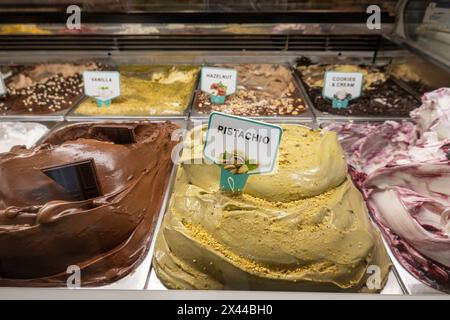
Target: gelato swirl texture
(304, 228)
(43, 230)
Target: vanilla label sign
(102, 86)
(341, 87)
(218, 83)
(241, 147)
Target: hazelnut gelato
(263, 90)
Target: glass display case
(112, 197)
(424, 27)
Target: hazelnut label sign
(218, 83)
(341, 87)
(102, 85)
(241, 147)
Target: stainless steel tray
(394, 284)
(54, 116)
(72, 116)
(320, 115)
(138, 278)
(409, 283)
(26, 58)
(322, 122)
(307, 115)
(392, 287)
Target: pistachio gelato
(148, 90)
(303, 228)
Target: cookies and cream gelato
(381, 95)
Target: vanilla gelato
(20, 134)
(148, 90)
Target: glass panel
(194, 5)
(428, 24)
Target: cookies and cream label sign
(102, 85)
(341, 87)
(242, 145)
(218, 81)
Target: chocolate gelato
(104, 226)
(381, 96)
(44, 89)
(263, 90)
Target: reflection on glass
(428, 23)
(193, 5)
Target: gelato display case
(115, 195)
(423, 26)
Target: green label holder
(100, 103)
(340, 104)
(232, 182)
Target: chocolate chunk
(119, 134)
(79, 179)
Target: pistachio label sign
(103, 86)
(341, 87)
(218, 83)
(241, 147)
